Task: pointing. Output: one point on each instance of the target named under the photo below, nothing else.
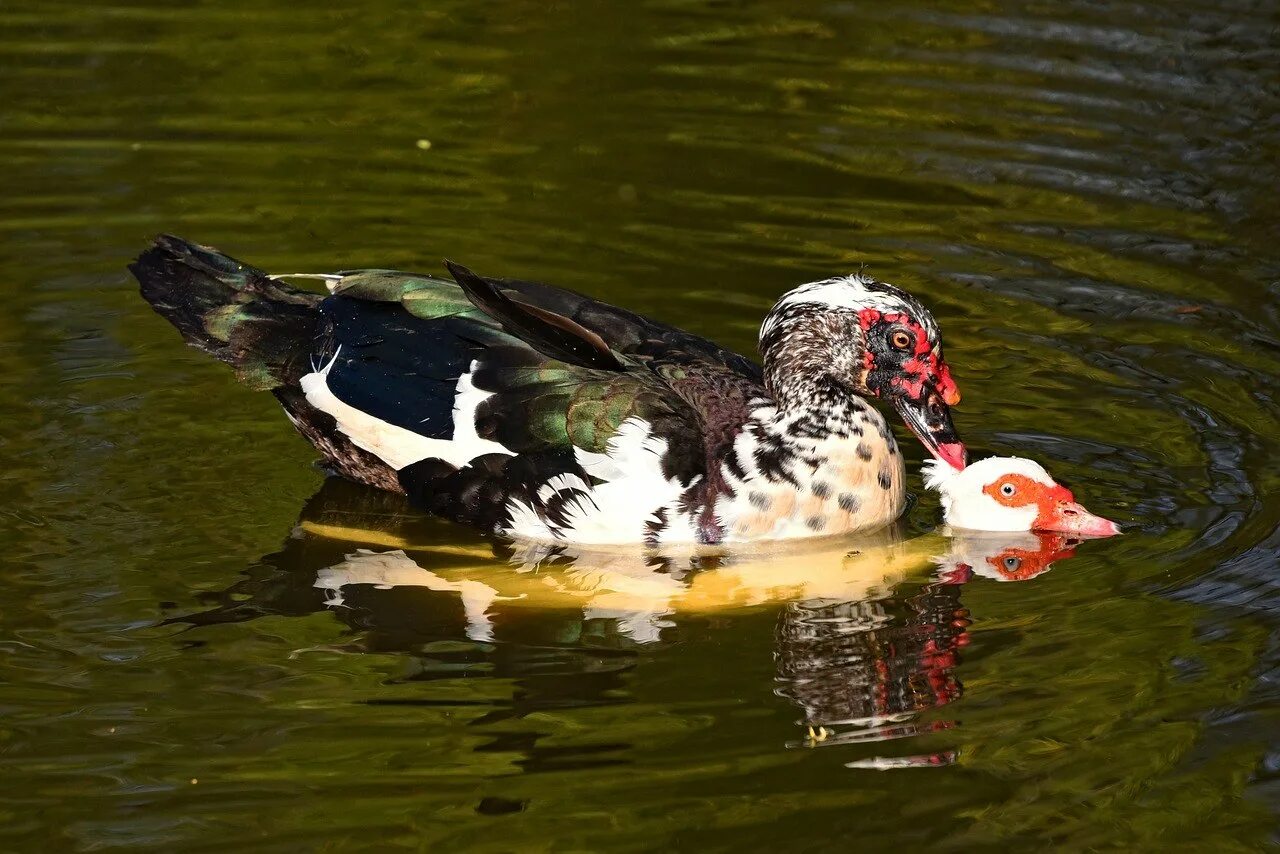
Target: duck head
(1011, 494)
(853, 335)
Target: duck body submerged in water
(540, 413)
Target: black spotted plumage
(776, 459)
(477, 494)
(522, 408)
(395, 344)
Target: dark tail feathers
(230, 310)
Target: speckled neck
(805, 352)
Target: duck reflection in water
(864, 670)
(862, 646)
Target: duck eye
(1011, 564)
(900, 339)
(1007, 490)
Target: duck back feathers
(501, 403)
(535, 411)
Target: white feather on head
(852, 292)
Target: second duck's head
(1011, 494)
(853, 335)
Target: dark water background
(1085, 192)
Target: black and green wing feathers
(548, 372)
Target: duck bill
(1068, 517)
(929, 418)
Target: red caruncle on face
(1055, 506)
(923, 363)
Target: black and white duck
(541, 413)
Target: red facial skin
(924, 362)
(1056, 507)
(944, 383)
(1029, 562)
(920, 383)
(1053, 547)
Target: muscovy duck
(541, 413)
(1010, 494)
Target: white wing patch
(634, 495)
(394, 445)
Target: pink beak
(951, 453)
(1068, 517)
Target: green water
(1083, 192)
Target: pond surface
(208, 646)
